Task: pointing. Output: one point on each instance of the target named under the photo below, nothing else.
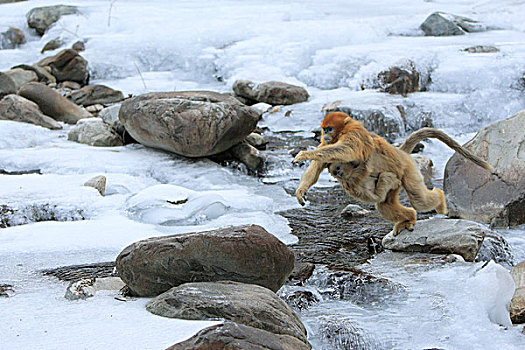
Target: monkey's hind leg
(386, 181)
(421, 198)
(392, 210)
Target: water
(331, 49)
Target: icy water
(333, 48)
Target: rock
(439, 236)
(12, 38)
(98, 183)
(6, 290)
(399, 80)
(246, 304)
(108, 283)
(191, 124)
(340, 332)
(82, 289)
(256, 140)
(474, 193)
(354, 210)
(443, 24)
(17, 108)
(248, 155)
(7, 85)
(94, 132)
(67, 65)
(386, 122)
(495, 248)
(95, 109)
(481, 49)
(425, 166)
(110, 117)
(52, 103)
(272, 92)
(517, 305)
(52, 45)
(234, 336)
(21, 76)
(79, 46)
(95, 94)
(69, 85)
(41, 18)
(44, 75)
(301, 272)
(299, 298)
(246, 254)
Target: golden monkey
(372, 170)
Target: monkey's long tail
(426, 133)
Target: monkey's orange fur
(372, 170)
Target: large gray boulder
(12, 38)
(474, 193)
(231, 335)
(191, 124)
(271, 92)
(52, 103)
(247, 304)
(247, 254)
(517, 304)
(94, 132)
(95, 94)
(444, 24)
(439, 236)
(41, 18)
(17, 108)
(67, 65)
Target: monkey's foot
(403, 225)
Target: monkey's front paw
(300, 157)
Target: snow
(331, 49)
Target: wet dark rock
(299, 299)
(246, 304)
(17, 108)
(20, 172)
(53, 104)
(496, 248)
(301, 272)
(474, 193)
(79, 46)
(246, 254)
(6, 290)
(95, 94)
(67, 65)
(271, 92)
(41, 18)
(78, 272)
(234, 336)
(191, 124)
(399, 80)
(12, 38)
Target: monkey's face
(332, 126)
